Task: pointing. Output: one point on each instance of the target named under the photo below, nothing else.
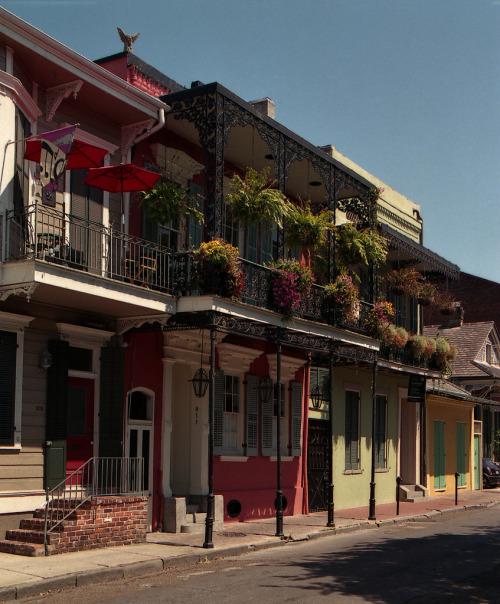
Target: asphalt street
(453, 559)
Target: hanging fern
(168, 201)
(305, 229)
(355, 246)
(253, 199)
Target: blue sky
(408, 89)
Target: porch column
(168, 365)
(279, 492)
(209, 523)
(330, 503)
(371, 515)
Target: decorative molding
(13, 322)
(126, 323)
(289, 366)
(56, 95)
(236, 359)
(16, 290)
(11, 86)
(87, 335)
(132, 131)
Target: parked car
(491, 473)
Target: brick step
(40, 513)
(27, 536)
(38, 524)
(22, 549)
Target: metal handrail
(97, 477)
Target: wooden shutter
(266, 415)
(296, 418)
(57, 390)
(439, 455)
(111, 402)
(380, 432)
(461, 457)
(252, 415)
(149, 229)
(8, 351)
(219, 412)
(351, 430)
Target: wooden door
(80, 423)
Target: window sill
(283, 458)
(347, 472)
(233, 457)
(381, 470)
(14, 448)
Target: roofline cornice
(83, 68)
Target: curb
(145, 567)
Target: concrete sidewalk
(22, 576)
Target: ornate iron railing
(97, 477)
(42, 233)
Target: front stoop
(188, 514)
(413, 492)
(100, 522)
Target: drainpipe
(156, 127)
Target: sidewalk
(22, 576)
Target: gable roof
(446, 388)
(469, 339)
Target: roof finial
(127, 40)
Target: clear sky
(407, 89)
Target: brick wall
(103, 522)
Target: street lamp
(200, 379)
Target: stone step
(22, 549)
(192, 528)
(192, 508)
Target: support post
(209, 521)
(371, 515)
(330, 503)
(279, 492)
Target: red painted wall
(144, 368)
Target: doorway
(410, 442)
(318, 464)
(139, 439)
(80, 423)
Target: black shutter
(252, 415)
(57, 390)
(219, 412)
(8, 348)
(111, 402)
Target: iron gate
(318, 464)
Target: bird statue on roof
(127, 39)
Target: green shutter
(266, 432)
(461, 456)
(296, 419)
(57, 390)
(219, 412)
(111, 402)
(439, 456)
(8, 352)
(351, 430)
(252, 415)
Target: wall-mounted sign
(416, 388)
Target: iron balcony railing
(42, 233)
(97, 477)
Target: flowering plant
(381, 314)
(217, 268)
(290, 283)
(404, 281)
(342, 291)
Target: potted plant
(425, 293)
(342, 295)
(305, 229)
(290, 283)
(254, 199)
(445, 302)
(418, 344)
(168, 201)
(404, 281)
(353, 246)
(379, 316)
(217, 269)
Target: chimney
(264, 106)
(328, 149)
(457, 319)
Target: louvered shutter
(252, 415)
(57, 390)
(296, 419)
(8, 350)
(266, 415)
(219, 412)
(351, 430)
(149, 229)
(111, 402)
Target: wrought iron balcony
(44, 234)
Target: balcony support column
(371, 514)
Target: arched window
(140, 406)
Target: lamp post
(279, 492)
(330, 504)
(209, 521)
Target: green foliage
(217, 269)
(305, 229)
(355, 246)
(168, 201)
(404, 281)
(342, 291)
(253, 199)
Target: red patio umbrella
(122, 178)
(82, 155)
